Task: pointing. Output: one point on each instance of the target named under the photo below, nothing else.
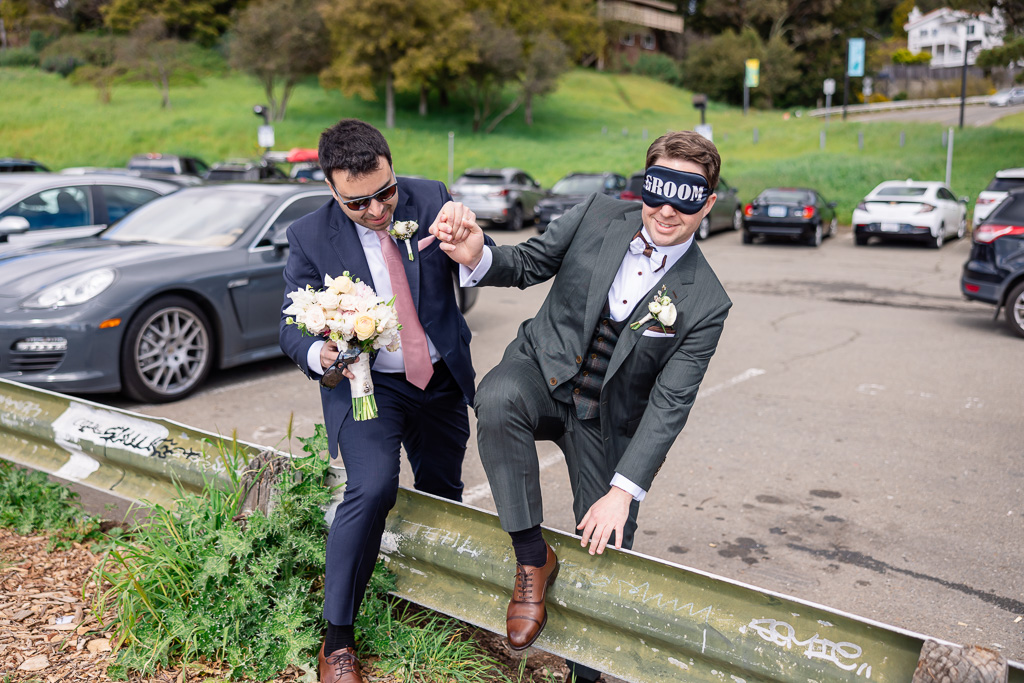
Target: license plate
(890, 227)
(777, 211)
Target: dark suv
(573, 189)
(994, 273)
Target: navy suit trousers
(433, 426)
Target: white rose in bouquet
(328, 299)
(316, 319)
(339, 285)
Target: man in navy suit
(424, 408)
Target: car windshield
(785, 197)
(1010, 212)
(1005, 184)
(199, 217)
(901, 191)
(481, 179)
(579, 185)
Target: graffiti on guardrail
(841, 654)
(107, 428)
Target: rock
(99, 645)
(37, 663)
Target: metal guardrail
(635, 617)
(895, 106)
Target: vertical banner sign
(855, 59)
(753, 73)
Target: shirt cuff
(629, 487)
(470, 278)
(313, 358)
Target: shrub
(19, 56)
(900, 96)
(657, 66)
(61, 64)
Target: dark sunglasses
(335, 373)
(363, 203)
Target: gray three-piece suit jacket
(651, 381)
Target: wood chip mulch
(49, 633)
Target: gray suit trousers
(514, 409)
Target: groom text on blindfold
(684, 192)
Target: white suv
(1005, 182)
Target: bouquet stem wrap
(364, 406)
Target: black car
(994, 273)
(171, 164)
(795, 213)
(573, 189)
(9, 165)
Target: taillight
(807, 213)
(982, 201)
(862, 206)
(748, 210)
(499, 193)
(629, 196)
(986, 233)
(925, 208)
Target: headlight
(72, 291)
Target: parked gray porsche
(186, 283)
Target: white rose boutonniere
(404, 230)
(661, 309)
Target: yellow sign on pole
(753, 73)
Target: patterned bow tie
(640, 245)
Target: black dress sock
(338, 637)
(530, 547)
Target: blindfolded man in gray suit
(612, 393)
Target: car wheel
(815, 239)
(1015, 309)
(832, 227)
(168, 351)
(515, 218)
(747, 238)
(737, 219)
(962, 230)
(939, 239)
(704, 229)
(861, 240)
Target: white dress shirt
(634, 279)
(387, 361)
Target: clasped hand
(459, 234)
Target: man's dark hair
(686, 145)
(352, 146)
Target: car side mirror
(12, 225)
(964, 200)
(280, 240)
(833, 205)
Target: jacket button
(579, 359)
(553, 381)
(576, 390)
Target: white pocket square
(661, 335)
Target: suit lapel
(405, 211)
(677, 282)
(345, 240)
(613, 250)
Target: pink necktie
(415, 353)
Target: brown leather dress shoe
(341, 666)
(527, 616)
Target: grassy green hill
(593, 122)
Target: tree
(392, 43)
(203, 21)
(499, 61)
(547, 61)
(150, 54)
(280, 42)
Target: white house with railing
(945, 34)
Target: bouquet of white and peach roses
(351, 314)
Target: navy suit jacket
(325, 242)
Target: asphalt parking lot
(857, 440)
